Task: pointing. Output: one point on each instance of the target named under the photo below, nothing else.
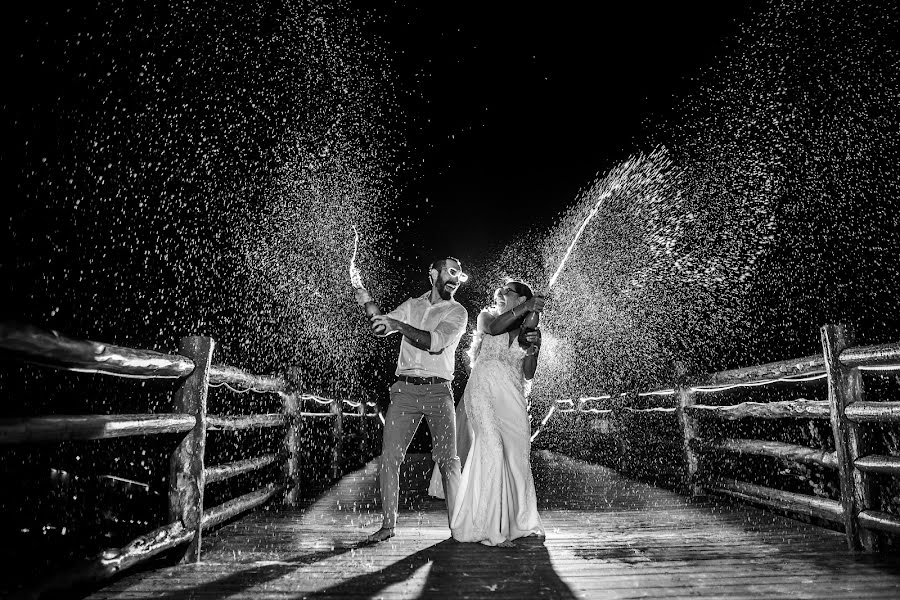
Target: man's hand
(535, 303)
(362, 296)
(383, 325)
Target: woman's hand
(535, 304)
(534, 340)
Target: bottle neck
(372, 309)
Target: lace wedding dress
(496, 501)
(463, 443)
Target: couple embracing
(491, 497)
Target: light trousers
(409, 403)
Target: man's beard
(443, 292)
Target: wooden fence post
(363, 434)
(617, 420)
(187, 476)
(337, 407)
(844, 388)
(291, 447)
(689, 434)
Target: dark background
(520, 106)
(500, 114)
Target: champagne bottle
(529, 324)
(372, 309)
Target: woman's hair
(521, 288)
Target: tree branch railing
(191, 368)
(840, 366)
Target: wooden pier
(607, 537)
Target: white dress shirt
(446, 321)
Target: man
(431, 326)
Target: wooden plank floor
(607, 537)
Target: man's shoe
(385, 533)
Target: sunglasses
(460, 276)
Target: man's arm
(378, 322)
(417, 337)
(447, 331)
(384, 325)
(395, 321)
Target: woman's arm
(529, 363)
(507, 321)
(484, 317)
(504, 322)
(483, 322)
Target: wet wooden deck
(607, 537)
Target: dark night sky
(522, 106)
(511, 107)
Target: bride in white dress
(496, 501)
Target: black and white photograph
(416, 300)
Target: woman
(496, 502)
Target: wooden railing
(846, 409)
(193, 373)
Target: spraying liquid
(532, 319)
(371, 308)
(355, 277)
(584, 223)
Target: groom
(431, 326)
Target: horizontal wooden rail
(655, 410)
(874, 463)
(58, 428)
(882, 412)
(794, 367)
(115, 560)
(813, 506)
(866, 356)
(238, 467)
(793, 409)
(235, 506)
(875, 519)
(238, 379)
(784, 451)
(111, 562)
(51, 349)
(656, 442)
(600, 413)
(877, 355)
(246, 421)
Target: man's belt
(421, 380)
